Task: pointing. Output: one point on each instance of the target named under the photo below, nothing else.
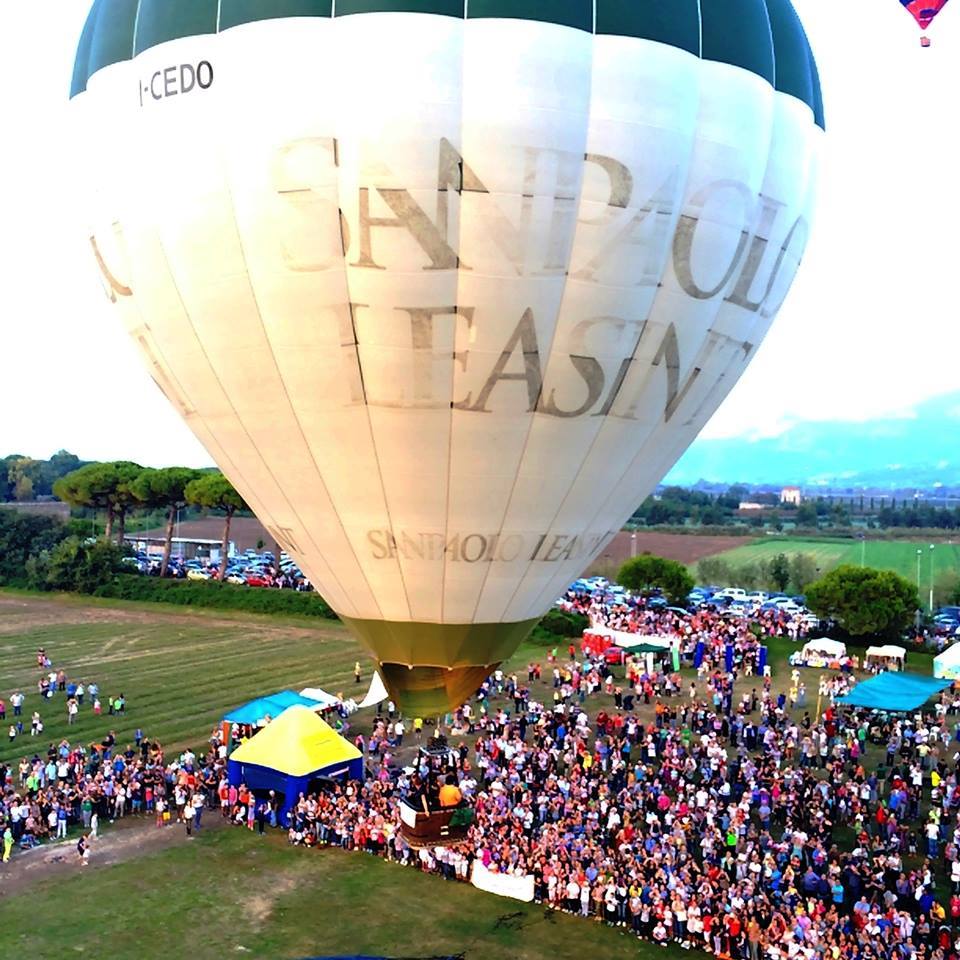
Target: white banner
(502, 884)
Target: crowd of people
(743, 831)
(51, 683)
(737, 820)
(713, 628)
(85, 785)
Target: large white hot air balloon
(446, 286)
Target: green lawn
(897, 555)
(230, 893)
(179, 670)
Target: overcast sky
(871, 327)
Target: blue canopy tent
(271, 705)
(894, 692)
(291, 751)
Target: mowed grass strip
(897, 555)
(826, 554)
(179, 673)
(259, 898)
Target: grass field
(897, 555)
(230, 893)
(179, 671)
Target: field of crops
(897, 555)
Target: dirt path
(132, 838)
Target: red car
(615, 655)
(257, 580)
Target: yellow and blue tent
(290, 754)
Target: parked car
(614, 655)
(790, 607)
(257, 580)
(195, 573)
(731, 593)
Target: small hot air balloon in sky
(446, 288)
(924, 12)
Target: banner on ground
(502, 884)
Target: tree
(90, 486)
(23, 478)
(165, 488)
(645, 572)
(560, 623)
(946, 588)
(864, 601)
(780, 571)
(806, 514)
(714, 572)
(803, 570)
(121, 497)
(59, 465)
(102, 486)
(215, 492)
(79, 565)
(23, 536)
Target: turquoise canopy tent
(894, 692)
(272, 706)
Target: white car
(756, 597)
(734, 593)
(790, 606)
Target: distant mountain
(917, 450)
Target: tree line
(781, 573)
(679, 506)
(23, 478)
(119, 487)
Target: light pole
(932, 545)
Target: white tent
(889, 652)
(377, 692)
(946, 665)
(823, 648)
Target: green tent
(642, 647)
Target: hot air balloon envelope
(445, 290)
(924, 11)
